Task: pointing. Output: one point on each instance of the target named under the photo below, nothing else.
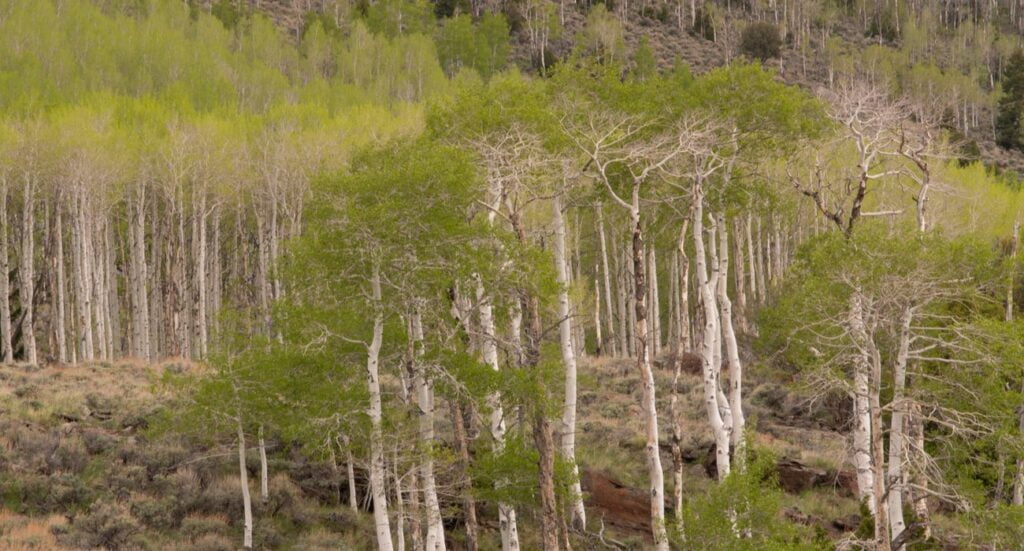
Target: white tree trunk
(613, 338)
(5, 280)
(711, 343)
(27, 291)
(506, 513)
(732, 353)
(649, 404)
(895, 473)
(350, 472)
(861, 406)
(264, 474)
(381, 522)
(61, 299)
(568, 448)
(243, 477)
(424, 389)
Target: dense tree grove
(387, 245)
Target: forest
(530, 274)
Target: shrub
(213, 542)
(105, 525)
(195, 527)
(97, 441)
(761, 41)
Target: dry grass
(22, 533)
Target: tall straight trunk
(862, 458)
(681, 345)
(882, 536)
(710, 342)
(543, 436)
(243, 477)
(568, 448)
(27, 274)
(424, 390)
(264, 474)
(462, 448)
(94, 246)
(685, 332)
(895, 473)
(83, 286)
(598, 336)
(625, 343)
(61, 291)
(399, 504)
(113, 303)
(202, 331)
(759, 261)
(741, 278)
(655, 306)
(506, 513)
(613, 337)
(157, 338)
(350, 474)
(381, 522)
(751, 261)
(6, 339)
(920, 494)
(138, 276)
(672, 337)
(649, 405)
(732, 352)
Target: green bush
(761, 41)
(106, 525)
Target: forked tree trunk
(732, 353)
(710, 341)
(568, 448)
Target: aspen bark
(506, 513)
(655, 306)
(861, 406)
(138, 276)
(424, 390)
(5, 280)
(612, 335)
(732, 353)
(243, 477)
(895, 474)
(649, 405)
(27, 274)
(350, 473)
(61, 291)
(568, 448)
(264, 478)
(710, 342)
(742, 318)
(462, 446)
(381, 522)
